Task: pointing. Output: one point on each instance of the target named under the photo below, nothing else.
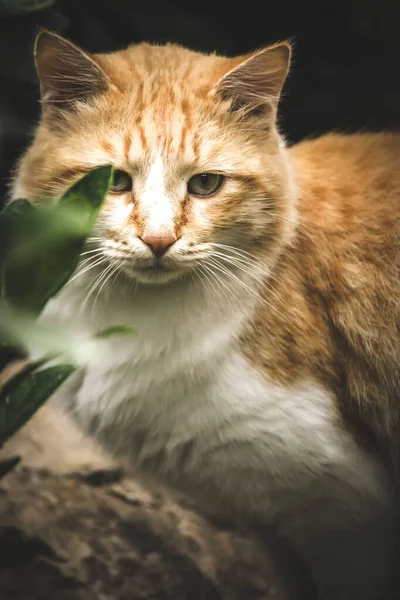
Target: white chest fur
(180, 401)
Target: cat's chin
(154, 275)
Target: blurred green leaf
(43, 339)
(13, 218)
(12, 384)
(46, 241)
(115, 330)
(40, 247)
(88, 192)
(9, 352)
(10, 218)
(15, 7)
(19, 404)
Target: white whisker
(96, 283)
(109, 272)
(99, 250)
(245, 261)
(254, 271)
(263, 282)
(250, 290)
(222, 282)
(225, 270)
(208, 273)
(86, 269)
(90, 258)
(236, 250)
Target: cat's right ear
(66, 73)
(254, 84)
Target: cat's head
(202, 179)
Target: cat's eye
(121, 182)
(204, 184)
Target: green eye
(204, 184)
(122, 182)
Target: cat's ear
(66, 73)
(255, 83)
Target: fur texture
(263, 377)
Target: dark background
(345, 75)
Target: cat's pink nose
(159, 245)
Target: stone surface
(73, 526)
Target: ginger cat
(263, 284)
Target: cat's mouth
(154, 270)
(157, 273)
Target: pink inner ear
(66, 73)
(258, 80)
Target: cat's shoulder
(343, 143)
(340, 171)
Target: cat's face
(201, 179)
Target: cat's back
(351, 151)
(349, 168)
(347, 257)
(349, 205)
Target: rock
(74, 526)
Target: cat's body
(264, 384)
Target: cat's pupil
(204, 179)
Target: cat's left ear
(255, 84)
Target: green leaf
(9, 351)
(40, 247)
(115, 330)
(15, 7)
(12, 217)
(47, 241)
(15, 209)
(18, 405)
(7, 465)
(11, 385)
(89, 191)
(46, 340)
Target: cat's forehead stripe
(155, 177)
(127, 144)
(173, 134)
(156, 206)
